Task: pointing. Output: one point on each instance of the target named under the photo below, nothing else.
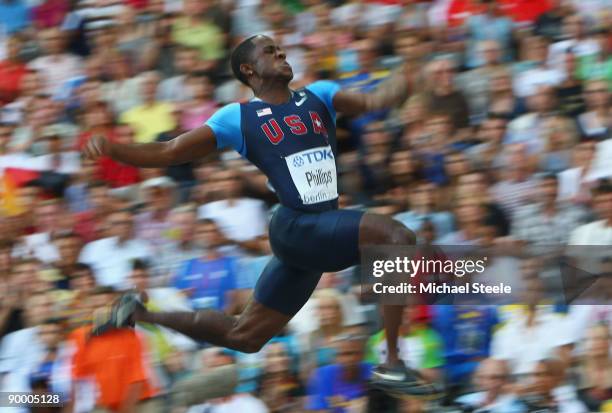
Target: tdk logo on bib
(314, 174)
(312, 156)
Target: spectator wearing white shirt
(56, 66)
(531, 335)
(23, 350)
(57, 159)
(538, 72)
(577, 42)
(492, 395)
(111, 257)
(242, 220)
(574, 181)
(598, 232)
(48, 223)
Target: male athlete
(291, 137)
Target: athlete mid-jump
(291, 137)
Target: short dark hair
(81, 266)
(603, 187)
(140, 264)
(240, 55)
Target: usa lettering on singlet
(292, 143)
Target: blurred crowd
(505, 139)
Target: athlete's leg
(279, 294)
(246, 333)
(382, 230)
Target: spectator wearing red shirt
(99, 121)
(12, 70)
(50, 13)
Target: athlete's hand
(97, 147)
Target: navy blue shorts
(305, 245)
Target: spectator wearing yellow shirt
(193, 29)
(152, 117)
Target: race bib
(314, 174)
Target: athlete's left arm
(391, 92)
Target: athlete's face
(269, 60)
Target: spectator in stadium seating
(193, 28)
(532, 334)
(420, 346)
(573, 182)
(490, 24)
(547, 389)
(68, 245)
(560, 136)
(547, 221)
(201, 106)
(576, 39)
(58, 157)
(55, 65)
(50, 372)
(242, 220)
(16, 365)
(83, 286)
(533, 71)
(502, 101)
(598, 65)
(110, 257)
(595, 122)
(210, 279)
(40, 244)
(183, 247)
(595, 369)
(175, 89)
(279, 388)
(117, 174)
(153, 224)
(336, 386)
(549, 24)
(597, 232)
(517, 186)
(442, 95)
(492, 379)
(475, 83)
(571, 91)
(152, 117)
(90, 224)
(530, 128)
(466, 332)
(49, 13)
(12, 71)
(469, 216)
(365, 78)
(319, 344)
(423, 207)
(118, 363)
(124, 91)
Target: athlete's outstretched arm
(391, 92)
(187, 147)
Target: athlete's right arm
(189, 146)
